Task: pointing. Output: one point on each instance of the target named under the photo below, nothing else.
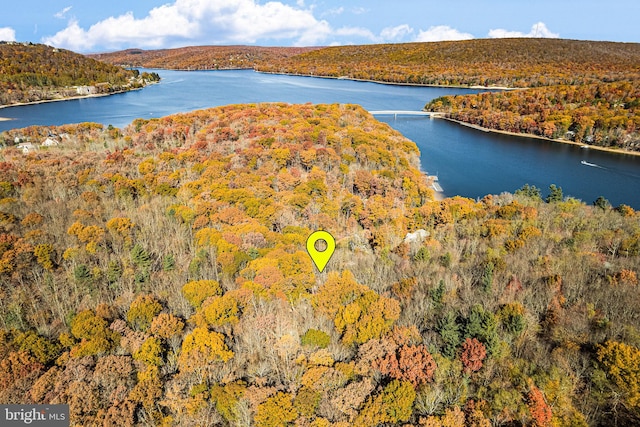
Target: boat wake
(612, 170)
(593, 165)
(170, 82)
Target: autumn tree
(393, 404)
(621, 362)
(201, 348)
(276, 411)
(409, 363)
(219, 311)
(142, 311)
(359, 313)
(539, 410)
(473, 353)
(199, 290)
(166, 325)
(93, 334)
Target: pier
(396, 113)
(435, 184)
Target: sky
(102, 26)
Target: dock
(435, 184)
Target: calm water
(468, 162)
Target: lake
(468, 162)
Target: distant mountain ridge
(514, 63)
(201, 57)
(36, 72)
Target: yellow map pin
(321, 258)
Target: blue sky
(100, 26)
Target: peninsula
(31, 73)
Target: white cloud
(198, 21)
(359, 10)
(441, 33)
(334, 11)
(396, 33)
(62, 13)
(7, 34)
(537, 30)
(355, 31)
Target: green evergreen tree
(602, 203)
(530, 191)
(449, 330)
(483, 325)
(140, 256)
(555, 194)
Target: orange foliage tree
(473, 353)
(409, 363)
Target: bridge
(396, 113)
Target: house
(26, 147)
(50, 142)
(416, 237)
(85, 90)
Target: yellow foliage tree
(276, 411)
(148, 391)
(622, 365)
(392, 405)
(226, 399)
(220, 311)
(197, 291)
(44, 254)
(359, 313)
(150, 352)
(122, 229)
(201, 348)
(94, 335)
(142, 311)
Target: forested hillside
(201, 57)
(157, 275)
(602, 115)
(513, 63)
(34, 72)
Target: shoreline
(531, 136)
(70, 98)
(472, 87)
(476, 87)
